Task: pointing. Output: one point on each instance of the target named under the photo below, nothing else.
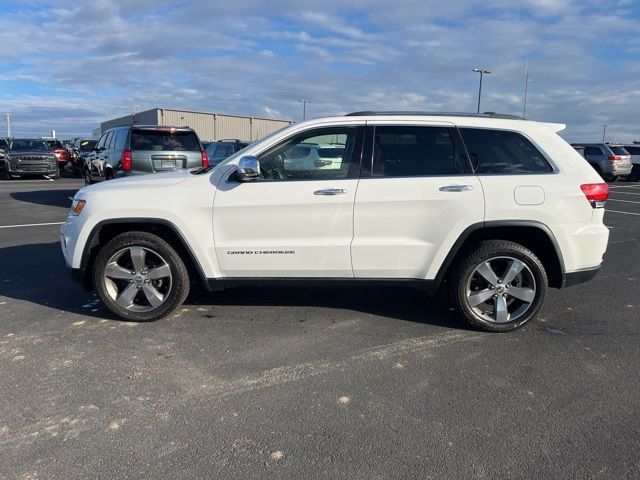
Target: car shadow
(50, 198)
(36, 273)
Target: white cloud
(87, 62)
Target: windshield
(619, 151)
(164, 140)
(87, 145)
(29, 145)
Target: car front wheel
(498, 286)
(140, 277)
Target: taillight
(205, 159)
(615, 158)
(596, 193)
(126, 160)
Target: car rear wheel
(140, 277)
(87, 177)
(498, 286)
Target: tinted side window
(304, 156)
(503, 152)
(103, 139)
(592, 151)
(108, 141)
(406, 151)
(118, 140)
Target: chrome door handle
(330, 191)
(456, 188)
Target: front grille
(34, 158)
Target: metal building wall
(208, 126)
(148, 117)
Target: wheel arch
(535, 236)
(108, 229)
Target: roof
(435, 114)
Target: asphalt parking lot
(310, 383)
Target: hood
(137, 182)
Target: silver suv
(136, 150)
(610, 161)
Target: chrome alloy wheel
(501, 290)
(138, 279)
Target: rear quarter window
(503, 152)
(161, 140)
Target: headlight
(77, 206)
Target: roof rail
(436, 114)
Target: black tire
(179, 287)
(57, 174)
(464, 275)
(87, 177)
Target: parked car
(80, 149)
(3, 148)
(221, 149)
(579, 149)
(634, 151)
(419, 199)
(59, 151)
(28, 157)
(610, 161)
(137, 150)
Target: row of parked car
(120, 151)
(612, 161)
(140, 149)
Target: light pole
(604, 130)
(481, 71)
(526, 88)
(304, 108)
(8, 117)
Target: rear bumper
(621, 168)
(581, 276)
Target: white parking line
(613, 187)
(625, 193)
(616, 200)
(31, 225)
(625, 213)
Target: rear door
(415, 197)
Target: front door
(415, 197)
(295, 221)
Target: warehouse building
(209, 126)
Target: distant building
(208, 126)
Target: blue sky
(70, 65)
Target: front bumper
(32, 168)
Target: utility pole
(304, 108)
(8, 117)
(604, 131)
(526, 88)
(481, 71)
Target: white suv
(496, 208)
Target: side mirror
(248, 168)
